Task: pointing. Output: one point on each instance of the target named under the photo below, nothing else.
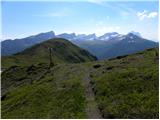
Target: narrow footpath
(92, 108)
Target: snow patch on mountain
(114, 36)
(108, 36)
(136, 33)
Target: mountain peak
(45, 35)
(132, 35)
(108, 36)
(111, 33)
(68, 36)
(91, 36)
(135, 33)
(50, 32)
(132, 38)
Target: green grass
(49, 97)
(63, 52)
(124, 87)
(18, 75)
(130, 88)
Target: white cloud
(146, 14)
(152, 14)
(142, 15)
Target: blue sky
(24, 18)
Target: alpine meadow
(87, 59)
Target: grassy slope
(59, 94)
(128, 87)
(124, 88)
(63, 52)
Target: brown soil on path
(92, 108)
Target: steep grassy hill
(123, 87)
(63, 51)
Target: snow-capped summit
(108, 36)
(132, 36)
(68, 36)
(111, 36)
(135, 33)
(91, 36)
(80, 36)
(86, 37)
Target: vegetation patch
(131, 91)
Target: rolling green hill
(63, 52)
(123, 87)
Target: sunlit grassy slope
(55, 95)
(128, 87)
(63, 51)
(124, 87)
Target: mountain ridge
(63, 51)
(98, 46)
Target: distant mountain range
(113, 44)
(106, 46)
(9, 47)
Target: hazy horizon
(22, 19)
(70, 33)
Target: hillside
(109, 45)
(63, 51)
(123, 87)
(9, 47)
